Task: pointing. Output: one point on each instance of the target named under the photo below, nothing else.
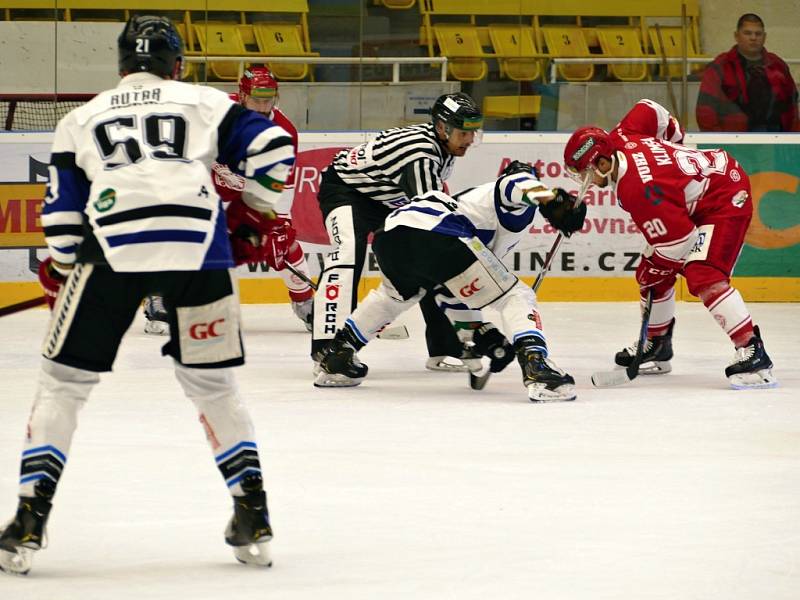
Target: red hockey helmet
(585, 147)
(257, 82)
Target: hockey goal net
(37, 112)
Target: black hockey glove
(562, 214)
(490, 342)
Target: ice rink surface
(413, 486)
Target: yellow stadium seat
(398, 3)
(516, 52)
(283, 39)
(220, 39)
(460, 44)
(567, 41)
(509, 107)
(672, 48)
(623, 42)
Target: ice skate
(751, 367)
(446, 364)
(303, 312)
(24, 535)
(656, 357)
(249, 531)
(339, 366)
(544, 380)
(156, 316)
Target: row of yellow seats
(521, 58)
(233, 39)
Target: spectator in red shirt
(748, 88)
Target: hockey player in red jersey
(693, 208)
(258, 91)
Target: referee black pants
(358, 216)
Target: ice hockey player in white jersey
(130, 210)
(468, 235)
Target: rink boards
(595, 265)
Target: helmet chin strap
(607, 174)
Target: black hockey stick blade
(20, 306)
(479, 379)
(604, 379)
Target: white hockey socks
(661, 314)
(299, 290)
(62, 392)
(730, 312)
(227, 423)
(518, 309)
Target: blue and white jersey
(498, 213)
(130, 176)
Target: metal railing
(655, 60)
(395, 61)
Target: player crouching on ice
(693, 208)
(468, 235)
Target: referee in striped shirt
(363, 185)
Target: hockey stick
(302, 277)
(20, 306)
(399, 332)
(667, 75)
(548, 261)
(603, 379)
(479, 379)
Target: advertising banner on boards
(607, 247)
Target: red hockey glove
(279, 238)
(51, 280)
(654, 270)
(255, 237)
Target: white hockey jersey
(497, 212)
(130, 182)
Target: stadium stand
(623, 42)
(459, 42)
(573, 28)
(516, 51)
(210, 27)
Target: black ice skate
(751, 367)
(156, 316)
(339, 365)
(656, 357)
(249, 531)
(24, 535)
(544, 380)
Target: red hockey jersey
(669, 189)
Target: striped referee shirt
(399, 164)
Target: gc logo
(470, 288)
(203, 331)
